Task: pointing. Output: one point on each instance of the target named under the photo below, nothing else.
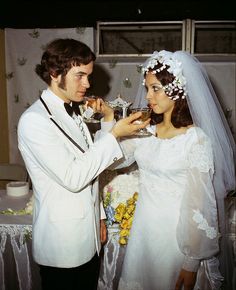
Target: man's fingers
(146, 122)
(133, 117)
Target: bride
(186, 169)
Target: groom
(64, 163)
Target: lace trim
(201, 157)
(129, 285)
(211, 232)
(14, 230)
(19, 233)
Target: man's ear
(56, 79)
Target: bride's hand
(186, 279)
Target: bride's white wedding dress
(175, 221)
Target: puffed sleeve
(197, 230)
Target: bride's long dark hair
(180, 116)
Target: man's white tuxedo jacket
(66, 217)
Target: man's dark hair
(60, 55)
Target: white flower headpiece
(175, 67)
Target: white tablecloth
(112, 259)
(17, 268)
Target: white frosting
(17, 188)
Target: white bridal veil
(207, 114)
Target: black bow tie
(74, 108)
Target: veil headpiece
(173, 66)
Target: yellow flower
(125, 224)
(123, 215)
(123, 241)
(130, 208)
(129, 221)
(130, 201)
(121, 208)
(124, 233)
(118, 217)
(135, 196)
(127, 215)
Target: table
(17, 268)
(18, 271)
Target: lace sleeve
(197, 231)
(200, 155)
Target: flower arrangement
(25, 211)
(119, 199)
(124, 216)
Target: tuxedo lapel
(71, 128)
(65, 121)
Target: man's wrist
(107, 126)
(113, 132)
(109, 118)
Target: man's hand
(102, 107)
(187, 279)
(126, 127)
(103, 232)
